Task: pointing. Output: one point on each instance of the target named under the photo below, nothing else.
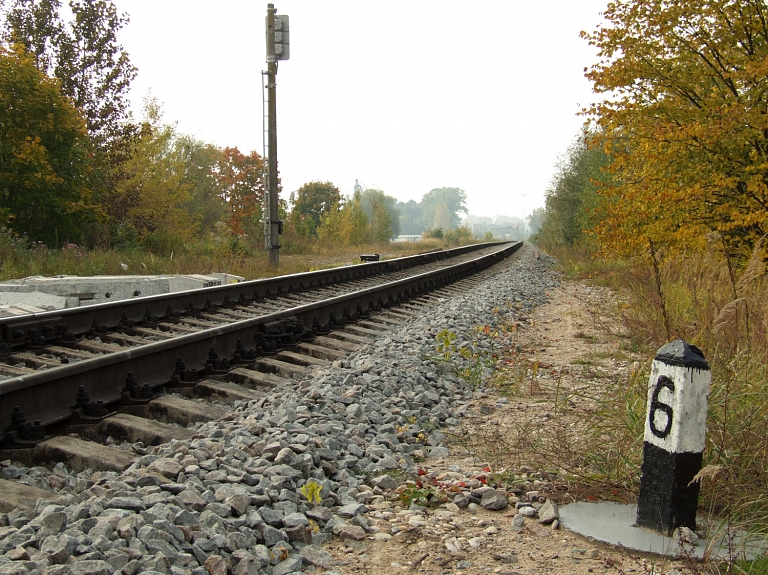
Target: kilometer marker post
(674, 439)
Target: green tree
(153, 196)
(382, 213)
(205, 206)
(44, 155)
(80, 49)
(410, 218)
(440, 207)
(685, 118)
(311, 203)
(82, 52)
(571, 199)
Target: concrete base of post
(668, 499)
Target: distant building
(407, 239)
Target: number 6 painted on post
(656, 405)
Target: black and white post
(674, 439)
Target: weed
(420, 494)
(472, 364)
(311, 492)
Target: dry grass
(19, 258)
(592, 434)
(722, 307)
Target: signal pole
(277, 49)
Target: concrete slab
(252, 378)
(403, 313)
(18, 495)
(171, 409)
(95, 289)
(70, 353)
(33, 300)
(364, 332)
(32, 360)
(335, 343)
(349, 337)
(302, 360)
(191, 281)
(37, 293)
(614, 524)
(13, 371)
(80, 455)
(226, 278)
(321, 352)
(127, 427)
(281, 367)
(375, 322)
(97, 346)
(224, 390)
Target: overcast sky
(404, 96)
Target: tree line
(75, 166)
(677, 149)
(369, 215)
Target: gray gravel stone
(129, 503)
(295, 519)
(494, 500)
(291, 565)
(271, 535)
(91, 568)
(548, 512)
(317, 556)
(351, 510)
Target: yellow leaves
(685, 122)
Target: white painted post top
(678, 390)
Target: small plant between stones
(475, 364)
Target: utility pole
(277, 49)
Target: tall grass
(20, 258)
(721, 306)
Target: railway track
(106, 370)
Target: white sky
(405, 96)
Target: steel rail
(49, 395)
(19, 331)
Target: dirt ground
(574, 339)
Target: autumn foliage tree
(44, 155)
(240, 183)
(345, 224)
(685, 120)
